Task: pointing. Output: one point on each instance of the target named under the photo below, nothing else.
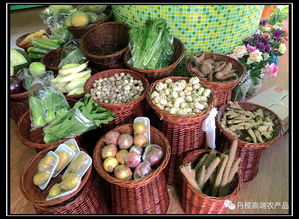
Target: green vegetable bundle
(46, 104)
(42, 46)
(84, 116)
(151, 45)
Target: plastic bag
(92, 8)
(45, 102)
(71, 53)
(209, 127)
(54, 17)
(151, 45)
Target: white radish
(71, 77)
(79, 68)
(75, 91)
(77, 83)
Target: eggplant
(16, 85)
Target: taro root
(206, 68)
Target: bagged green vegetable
(71, 53)
(84, 116)
(45, 102)
(151, 45)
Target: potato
(45, 163)
(69, 182)
(78, 164)
(63, 159)
(54, 191)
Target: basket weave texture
(147, 195)
(85, 200)
(153, 75)
(106, 38)
(222, 90)
(194, 202)
(18, 105)
(250, 153)
(78, 32)
(124, 113)
(184, 132)
(52, 59)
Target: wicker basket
(52, 59)
(85, 200)
(104, 39)
(184, 132)
(78, 32)
(124, 113)
(194, 202)
(222, 90)
(153, 75)
(34, 139)
(249, 152)
(147, 195)
(18, 105)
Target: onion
(153, 154)
(139, 128)
(136, 149)
(133, 159)
(125, 141)
(123, 172)
(109, 164)
(109, 151)
(121, 155)
(142, 170)
(140, 140)
(111, 137)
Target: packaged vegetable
(71, 53)
(142, 170)
(153, 154)
(45, 103)
(45, 170)
(65, 155)
(84, 116)
(141, 127)
(151, 45)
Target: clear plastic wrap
(45, 102)
(151, 45)
(65, 154)
(71, 53)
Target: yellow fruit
(45, 163)
(54, 191)
(68, 174)
(77, 164)
(72, 146)
(63, 159)
(139, 127)
(110, 163)
(41, 178)
(69, 182)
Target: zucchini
(18, 59)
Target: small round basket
(85, 200)
(52, 59)
(78, 32)
(153, 75)
(222, 90)
(194, 202)
(250, 153)
(184, 132)
(147, 195)
(106, 44)
(18, 105)
(124, 113)
(20, 39)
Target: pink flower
(232, 56)
(250, 48)
(270, 70)
(268, 25)
(266, 35)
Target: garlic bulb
(194, 80)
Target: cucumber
(43, 44)
(18, 59)
(35, 55)
(38, 50)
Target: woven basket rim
(215, 83)
(176, 62)
(245, 143)
(18, 96)
(54, 68)
(97, 162)
(102, 25)
(163, 113)
(198, 152)
(22, 182)
(109, 14)
(109, 106)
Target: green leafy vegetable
(151, 45)
(84, 116)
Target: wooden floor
(269, 190)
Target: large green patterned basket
(202, 28)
